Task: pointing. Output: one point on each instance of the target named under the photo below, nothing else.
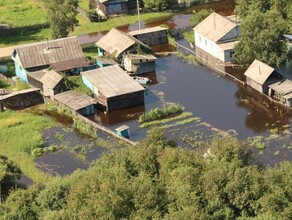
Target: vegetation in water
(160, 113)
(257, 142)
(84, 127)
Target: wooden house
(116, 42)
(110, 8)
(53, 83)
(151, 36)
(217, 35)
(34, 79)
(76, 101)
(62, 55)
(259, 76)
(113, 88)
(281, 91)
(139, 64)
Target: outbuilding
(260, 75)
(281, 91)
(151, 36)
(113, 88)
(53, 83)
(139, 64)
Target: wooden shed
(151, 36)
(139, 64)
(77, 102)
(113, 88)
(53, 83)
(281, 91)
(105, 61)
(259, 76)
(34, 79)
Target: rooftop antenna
(138, 10)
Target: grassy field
(84, 4)
(20, 133)
(19, 13)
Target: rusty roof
(49, 52)
(214, 27)
(112, 81)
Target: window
(200, 38)
(231, 54)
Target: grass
(182, 122)
(84, 4)
(20, 13)
(10, 65)
(189, 36)
(20, 134)
(75, 83)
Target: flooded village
(134, 71)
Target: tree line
(158, 180)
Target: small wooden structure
(113, 88)
(53, 83)
(259, 76)
(282, 92)
(77, 102)
(123, 131)
(108, 8)
(151, 36)
(34, 79)
(104, 61)
(139, 64)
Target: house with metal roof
(62, 55)
(260, 76)
(217, 35)
(152, 36)
(113, 88)
(116, 42)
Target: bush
(93, 16)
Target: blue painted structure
(100, 52)
(20, 72)
(123, 131)
(87, 83)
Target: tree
(9, 172)
(157, 4)
(200, 16)
(262, 28)
(62, 16)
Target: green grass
(84, 4)
(189, 36)
(75, 83)
(19, 13)
(20, 133)
(10, 65)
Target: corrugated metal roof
(74, 100)
(259, 71)
(48, 52)
(112, 81)
(214, 27)
(51, 79)
(115, 42)
(147, 30)
(284, 86)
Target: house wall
(21, 72)
(154, 38)
(209, 46)
(87, 83)
(145, 67)
(253, 84)
(88, 110)
(35, 83)
(116, 8)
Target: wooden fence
(8, 80)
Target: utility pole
(138, 11)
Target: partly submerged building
(217, 35)
(139, 64)
(62, 55)
(113, 88)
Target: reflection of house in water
(139, 64)
(217, 35)
(113, 88)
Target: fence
(203, 61)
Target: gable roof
(214, 27)
(284, 86)
(112, 81)
(49, 52)
(259, 71)
(115, 42)
(51, 79)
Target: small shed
(104, 61)
(281, 91)
(123, 131)
(34, 79)
(77, 102)
(113, 88)
(259, 76)
(139, 64)
(151, 36)
(53, 83)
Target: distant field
(18, 13)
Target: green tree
(62, 16)
(200, 16)
(9, 173)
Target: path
(6, 51)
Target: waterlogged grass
(166, 120)
(183, 122)
(19, 13)
(20, 133)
